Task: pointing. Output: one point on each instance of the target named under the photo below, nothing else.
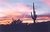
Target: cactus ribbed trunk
(34, 16)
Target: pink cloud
(13, 10)
(47, 2)
(2, 0)
(23, 8)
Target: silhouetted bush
(23, 27)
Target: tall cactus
(34, 16)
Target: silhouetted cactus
(34, 16)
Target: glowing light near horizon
(2, 15)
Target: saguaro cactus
(34, 16)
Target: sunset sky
(9, 7)
(23, 8)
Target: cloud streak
(47, 2)
(21, 7)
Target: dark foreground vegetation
(18, 26)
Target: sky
(23, 9)
(20, 7)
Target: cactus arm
(32, 16)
